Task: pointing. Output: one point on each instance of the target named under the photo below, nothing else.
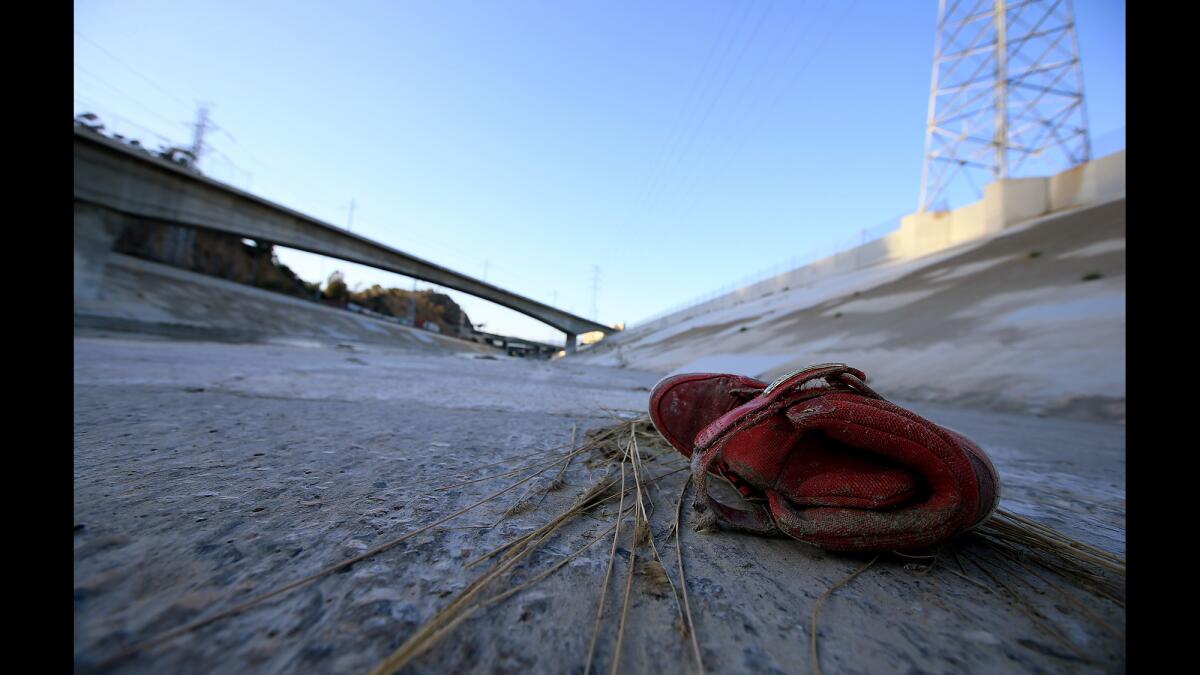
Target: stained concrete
(1032, 320)
(208, 472)
(142, 296)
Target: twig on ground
(1028, 609)
(607, 576)
(816, 662)
(171, 634)
(690, 626)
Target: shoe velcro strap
(808, 373)
(780, 393)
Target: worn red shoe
(826, 460)
(682, 405)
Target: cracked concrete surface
(207, 472)
(1030, 319)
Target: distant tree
(335, 287)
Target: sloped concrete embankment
(1029, 319)
(139, 296)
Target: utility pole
(350, 218)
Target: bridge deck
(131, 182)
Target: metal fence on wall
(1102, 145)
(862, 236)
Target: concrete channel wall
(1005, 203)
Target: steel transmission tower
(203, 126)
(1007, 95)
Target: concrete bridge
(517, 346)
(116, 184)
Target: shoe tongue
(822, 472)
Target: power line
(122, 92)
(108, 116)
(687, 111)
(130, 41)
(205, 143)
(232, 165)
(755, 108)
(135, 71)
(275, 170)
(202, 143)
(719, 92)
(723, 166)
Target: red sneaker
(826, 460)
(682, 405)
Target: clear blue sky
(675, 146)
